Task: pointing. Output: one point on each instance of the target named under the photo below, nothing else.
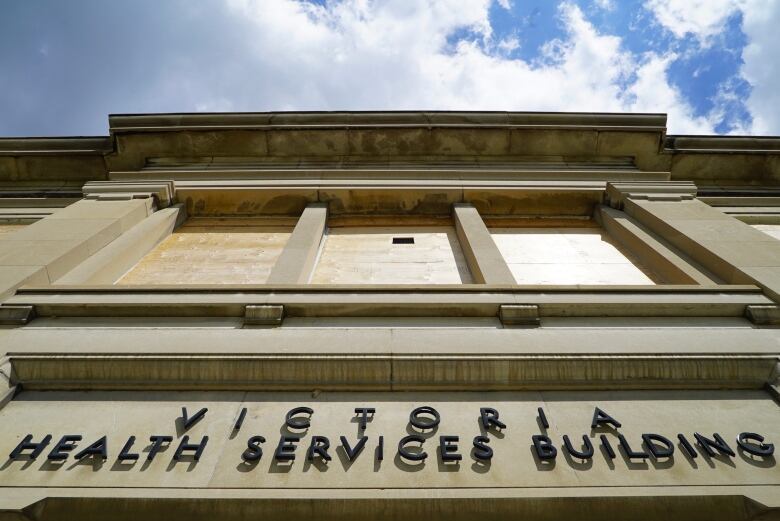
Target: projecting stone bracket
(519, 315)
(163, 192)
(763, 315)
(16, 315)
(773, 385)
(7, 388)
(263, 315)
(617, 193)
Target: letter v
(353, 453)
(188, 422)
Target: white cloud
(651, 92)
(701, 18)
(761, 20)
(607, 5)
(362, 54)
(705, 19)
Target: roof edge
(158, 122)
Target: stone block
(682, 210)
(766, 277)
(95, 233)
(11, 277)
(763, 315)
(529, 202)
(745, 253)
(264, 316)
(420, 201)
(519, 315)
(56, 257)
(469, 142)
(390, 142)
(11, 315)
(307, 143)
(128, 212)
(245, 201)
(554, 142)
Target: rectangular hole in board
(403, 240)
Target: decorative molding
(11, 315)
(389, 301)
(263, 315)
(119, 123)
(164, 192)
(618, 192)
(338, 371)
(45, 146)
(763, 315)
(723, 144)
(519, 314)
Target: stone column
(110, 263)
(46, 250)
(296, 263)
(655, 253)
(729, 248)
(485, 261)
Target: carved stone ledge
(519, 314)
(16, 315)
(263, 315)
(164, 192)
(763, 315)
(618, 192)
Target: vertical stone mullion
(296, 262)
(655, 253)
(485, 261)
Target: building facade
(390, 315)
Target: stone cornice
(389, 119)
(141, 143)
(18, 146)
(722, 144)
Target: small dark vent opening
(403, 240)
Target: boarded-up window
(6, 229)
(566, 256)
(391, 255)
(212, 252)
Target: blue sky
(710, 64)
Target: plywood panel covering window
(6, 229)
(567, 256)
(391, 255)
(212, 252)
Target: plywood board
(5, 229)
(367, 255)
(567, 256)
(240, 252)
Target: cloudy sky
(712, 65)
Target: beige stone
(113, 261)
(514, 466)
(485, 262)
(296, 262)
